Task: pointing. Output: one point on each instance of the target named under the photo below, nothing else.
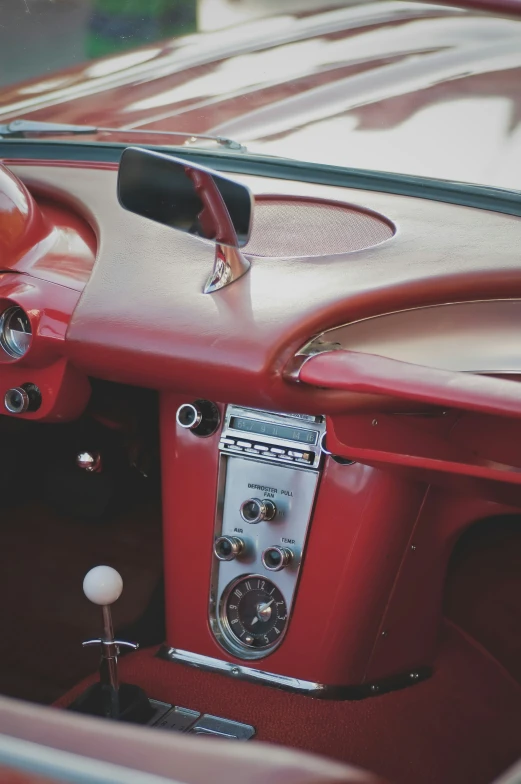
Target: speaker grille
(298, 227)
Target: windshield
(392, 86)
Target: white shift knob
(102, 585)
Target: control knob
(276, 558)
(227, 548)
(18, 400)
(201, 417)
(255, 510)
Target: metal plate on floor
(213, 726)
(160, 709)
(178, 719)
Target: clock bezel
(229, 640)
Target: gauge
(15, 332)
(254, 612)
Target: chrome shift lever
(103, 586)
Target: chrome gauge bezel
(7, 343)
(229, 641)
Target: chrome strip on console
(295, 685)
(239, 671)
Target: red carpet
(460, 727)
(45, 616)
(463, 726)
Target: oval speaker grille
(285, 227)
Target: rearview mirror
(192, 199)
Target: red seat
(80, 743)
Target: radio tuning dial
(255, 510)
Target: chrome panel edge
(477, 336)
(294, 685)
(241, 672)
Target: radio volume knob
(189, 416)
(201, 417)
(255, 510)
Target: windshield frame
(485, 197)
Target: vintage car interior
(260, 454)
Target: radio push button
(275, 558)
(255, 510)
(228, 548)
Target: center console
(268, 475)
(280, 559)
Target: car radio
(269, 469)
(265, 435)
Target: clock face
(253, 613)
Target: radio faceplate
(264, 506)
(283, 438)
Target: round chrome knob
(227, 548)
(89, 461)
(16, 400)
(276, 558)
(201, 417)
(188, 416)
(255, 510)
(26, 397)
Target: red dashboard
(113, 296)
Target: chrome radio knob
(255, 510)
(201, 417)
(276, 558)
(227, 548)
(189, 416)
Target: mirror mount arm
(215, 218)
(229, 262)
(229, 265)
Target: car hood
(403, 87)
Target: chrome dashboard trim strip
(475, 336)
(295, 685)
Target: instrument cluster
(15, 332)
(37, 381)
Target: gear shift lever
(103, 586)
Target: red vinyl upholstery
(172, 756)
(354, 371)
